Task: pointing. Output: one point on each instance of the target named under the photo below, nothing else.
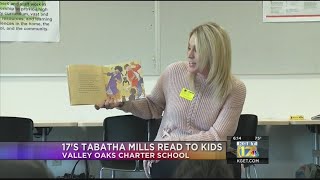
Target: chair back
(125, 128)
(247, 125)
(15, 129)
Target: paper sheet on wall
(35, 21)
(291, 11)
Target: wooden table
(273, 122)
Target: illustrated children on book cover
(91, 84)
(124, 82)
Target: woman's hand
(109, 103)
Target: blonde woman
(199, 98)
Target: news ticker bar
(244, 152)
(112, 150)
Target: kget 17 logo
(247, 149)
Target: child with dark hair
(115, 77)
(204, 169)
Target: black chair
(247, 126)
(19, 129)
(126, 128)
(15, 129)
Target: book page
(124, 81)
(86, 84)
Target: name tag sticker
(186, 94)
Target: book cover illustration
(124, 82)
(91, 84)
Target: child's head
(118, 69)
(127, 67)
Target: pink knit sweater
(202, 119)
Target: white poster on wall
(29, 21)
(291, 11)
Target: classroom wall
(161, 29)
(271, 96)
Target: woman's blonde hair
(214, 48)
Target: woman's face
(193, 58)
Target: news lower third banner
(112, 150)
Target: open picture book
(92, 84)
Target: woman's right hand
(109, 103)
